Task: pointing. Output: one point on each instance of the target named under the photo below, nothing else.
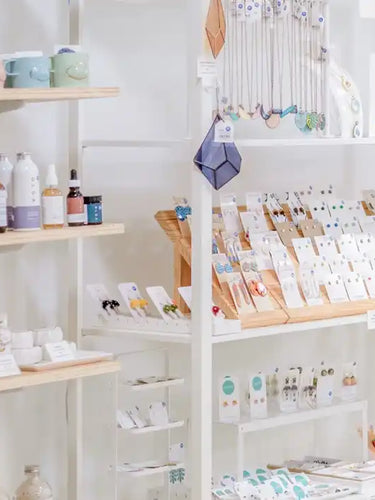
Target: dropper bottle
(75, 201)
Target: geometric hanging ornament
(219, 162)
(216, 27)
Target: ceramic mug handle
(6, 69)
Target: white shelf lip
(175, 337)
(283, 419)
(155, 428)
(150, 471)
(155, 385)
(320, 141)
(252, 333)
(136, 143)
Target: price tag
(224, 131)
(371, 320)
(8, 366)
(206, 68)
(57, 352)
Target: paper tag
(258, 396)
(371, 320)
(206, 68)
(326, 246)
(355, 287)
(229, 399)
(304, 249)
(58, 351)
(136, 304)
(8, 366)
(224, 131)
(336, 289)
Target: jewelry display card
(229, 399)
(163, 303)
(133, 299)
(306, 195)
(275, 210)
(325, 386)
(8, 366)
(158, 413)
(369, 281)
(229, 210)
(252, 222)
(348, 246)
(304, 249)
(222, 267)
(307, 392)
(319, 210)
(311, 228)
(310, 287)
(124, 421)
(355, 287)
(217, 223)
(258, 396)
(232, 245)
(362, 267)
(326, 246)
(339, 265)
(281, 261)
(351, 227)
(296, 209)
(135, 414)
(320, 266)
(254, 282)
(289, 383)
(349, 382)
(366, 244)
(336, 289)
(332, 227)
(99, 294)
(289, 287)
(287, 232)
(368, 225)
(264, 243)
(254, 203)
(240, 294)
(369, 196)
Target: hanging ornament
(216, 27)
(219, 162)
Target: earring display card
(272, 386)
(158, 413)
(362, 267)
(310, 287)
(275, 210)
(135, 415)
(229, 399)
(258, 396)
(355, 287)
(307, 394)
(232, 245)
(319, 210)
(222, 267)
(253, 222)
(124, 421)
(369, 281)
(217, 223)
(229, 210)
(368, 225)
(296, 209)
(282, 263)
(306, 195)
(183, 213)
(99, 294)
(369, 196)
(164, 304)
(348, 246)
(349, 382)
(339, 265)
(289, 383)
(325, 386)
(287, 232)
(311, 228)
(289, 287)
(264, 243)
(240, 294)
(254, 203)
(133, 299)
(351, 227)
(332, 227)
(326, 246)
(304, 249)
(366, 244)
(254, 282)
(320, 266)
(336, 289)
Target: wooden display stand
(179, 234)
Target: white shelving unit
(157, 428)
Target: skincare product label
(53, 210)
(304, 249)
(8, 366)
(229, 399)
(349, 381)
(326, 246)
(133, 299)
(336, 289)
(258, 396)
(355, 287)
(164, 304)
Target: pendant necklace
(300, 119)
(255, 70)
(306, 129)
(291, 44)
(274, 120)
(267, 45)
(241, 109)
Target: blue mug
(28, 72)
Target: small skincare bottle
(52, 202)
(75, 202)
(3, 209)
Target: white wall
(141, 46)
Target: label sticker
(224, 131)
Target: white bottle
(26, 194)
(52, 202)
(6, 172)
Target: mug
(70, 70)
(3, 75)
(29, 72)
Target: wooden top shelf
(31, 379)
(58, 94)
(66, 233)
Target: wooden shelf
(57, 94)
(66, 233)
(31, 379)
